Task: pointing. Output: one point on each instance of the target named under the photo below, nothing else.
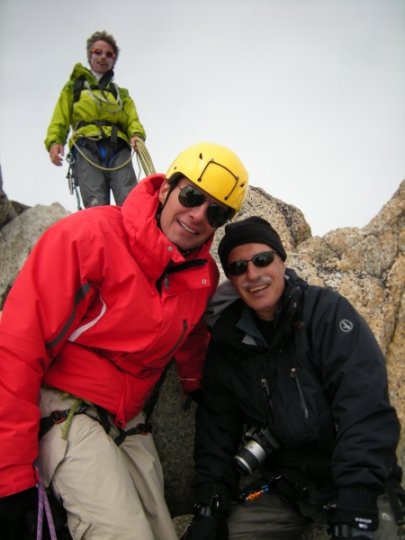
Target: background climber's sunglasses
(99, 52)
(217, 215)
(260, 260)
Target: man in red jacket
(106, 298)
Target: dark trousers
(95, 184)
(270, 518)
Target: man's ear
(164, 191)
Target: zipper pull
(293, 375)
(264, 384)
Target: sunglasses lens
(263, 259)
(190, 197)
(260, 260)
(99, 52)
(217, 215)
(237, 268)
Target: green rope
(78, 402)
(144, 158)
(67, 423)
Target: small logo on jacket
(345, 325)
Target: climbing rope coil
(144, 158)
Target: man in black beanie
(295, 408)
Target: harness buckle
(143, 429)
(58, 417)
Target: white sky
(309, 93)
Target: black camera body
(258, 445)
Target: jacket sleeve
(355, 379)
(59, 126)
(190, 356)
(134, 126)
(46, 301)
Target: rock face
(366, 265)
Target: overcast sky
(309, 93)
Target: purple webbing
(43, 503)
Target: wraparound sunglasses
(261, 260)
(217, 215)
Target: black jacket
(317, 379)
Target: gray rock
(17, 238)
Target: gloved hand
(355, 514)
(211, 527)
(14, 510)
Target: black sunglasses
(217, 215)
(260, 260)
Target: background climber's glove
(355, 514)
(14, 510)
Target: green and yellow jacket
(94, 109)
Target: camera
(258, 444)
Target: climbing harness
(143, 157)
(142, 154)
(49, 506)
(105, 85)
(100, 415)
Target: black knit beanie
(250, 230)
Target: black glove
(14, 511)
(207, 528)
(355, 514)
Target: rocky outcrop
(18, 236)
(366, 265)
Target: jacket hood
(150, 246)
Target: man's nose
(252, 271)
(199, 212)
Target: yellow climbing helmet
(215, 169)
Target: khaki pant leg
(89, 474)
(146, 471)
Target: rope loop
(143, 157)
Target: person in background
(104, 123)
(295, 424)
(107, 297)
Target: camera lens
(250, 456)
